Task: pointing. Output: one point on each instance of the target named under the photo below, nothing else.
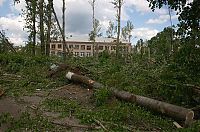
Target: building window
(113, 47)
(59, 46)
(100, 47)
(88, 54)
(53, 46)
(88, 47)
(106, 47)
(76, 54)
(82, 47)
(82, 54)
(71, 46)
(53, 53)
(76, 47)
(59, 53)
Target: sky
(79, 18)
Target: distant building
(83, 47)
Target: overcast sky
(79, 18)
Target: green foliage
(26, 122)
(96, 31)
(5, 118)
(65, 107)
(102, 96)
(30, 74)
(118, 116)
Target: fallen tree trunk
(177, 112)
(59, 67)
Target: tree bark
(41, 14)
(34, 26)
(61, 30)
(49, 14)
(177, 112)
(64, 44)
(118, 26)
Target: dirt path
(15, 106)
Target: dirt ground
(15, 106)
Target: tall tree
(41, 24)
(93, 33)
(129, 28)
(34, 14)
(30, 14)
(111, 30)
(49, 26)
(118, 5)
(64, 44)
(126, 31)
(97, 32)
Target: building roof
(86, 39)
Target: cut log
(56, 68)
(1, 92)
(123, 95)
(59, 67)
(82, 79)
(177, 112)
(177, 125)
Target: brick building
(82, 46)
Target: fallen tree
(59, 67)
(176, 112)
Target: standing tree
(126, 31)
(118, 5)
(96, 33)
(30, 17)
(41, 16)
(129, 28)
(93, 33)
(49, 26)
(63, 31)
(111, 30)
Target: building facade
(83, 47)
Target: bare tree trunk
(118, 27)
(41, 14)
(50, 2)
(34, 27)
(171, 35)
(171, 110)
(95, 48)
(61, 30)
(64, 44)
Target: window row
(53, 46)
(88, 47)
(81, 47)
(83, 54)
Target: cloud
(13, 25)
(161, 19)
(79, 17)
(1, 2)
(144, 33)
(139, 5)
